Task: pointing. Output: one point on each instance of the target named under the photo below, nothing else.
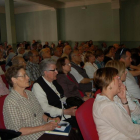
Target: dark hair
(99, 53)
(12, 72)
(104, 76)
(34, 45)
(26, 46)
(121, 53)
(106, 51)
(60, 62)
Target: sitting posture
(112, 118)
(67, 80)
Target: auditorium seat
(85, 120)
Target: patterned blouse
(21, 112)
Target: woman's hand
(122, 93)
(50, 126)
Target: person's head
(110, 51)
(75, 57)
(63, 65)
(39, 46)
(27, 47)
(86, 47)
(117, 46)
(45, 53)
(33, 56)
(46, 43)
(59, 42)
(92, 48)
(124, 54)
(48, 69)
(34, 46)
(80, 49)
(57, 52)
(107, 79)
(104, 45)
(33, 41)
(9, 51)
(17, 77)
(120, 66)
(99, 54)
(67, 49)
(21, 50)
(18, 60)
(89, 57)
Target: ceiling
(50, 3)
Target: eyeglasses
(68, 64)
(52, 70)
(24, 76)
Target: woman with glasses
(67, 80)
(112, 118)
(23, 113)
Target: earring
(110, 88)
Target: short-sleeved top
(20, 112)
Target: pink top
(3, 88)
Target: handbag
(73, 101)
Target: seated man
(45, 53)
(130, 83)
(79, 73)
(66, 51)
(57, 54)
(32, 65)
(49, 93)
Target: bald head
(67, 49)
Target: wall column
(10, 23)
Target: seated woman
(21, 110)
(90, 65)
(67, 80)
(132, 102)
(113, 119)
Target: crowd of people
(56, 73)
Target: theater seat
(97, 92)
(85, 120)
(4, 80)
(2, 126)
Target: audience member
(113, 119)
(49, 93)
(99, 58)
(104, 46)
(90, 65)
(130, 83)
(66, 51)
(79, 73)
(67, 80)
(45, 53)
(20, 51)
(57, 53)
(109, 54)
(32, 65)
(22, 112)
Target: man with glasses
(49, 93)
(124, 54)
(32, 65)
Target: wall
(40, 26)
(130, 23)
(3, 27)
(96, 23)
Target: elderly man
(79, 73)
(130, 83)
(45, 53)
(20, 51)
(32, 65)
(66, 51)
(49, 93)
(57, 53)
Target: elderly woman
(22, 111)
(90, 65)
(67, 80)
(113, 119)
